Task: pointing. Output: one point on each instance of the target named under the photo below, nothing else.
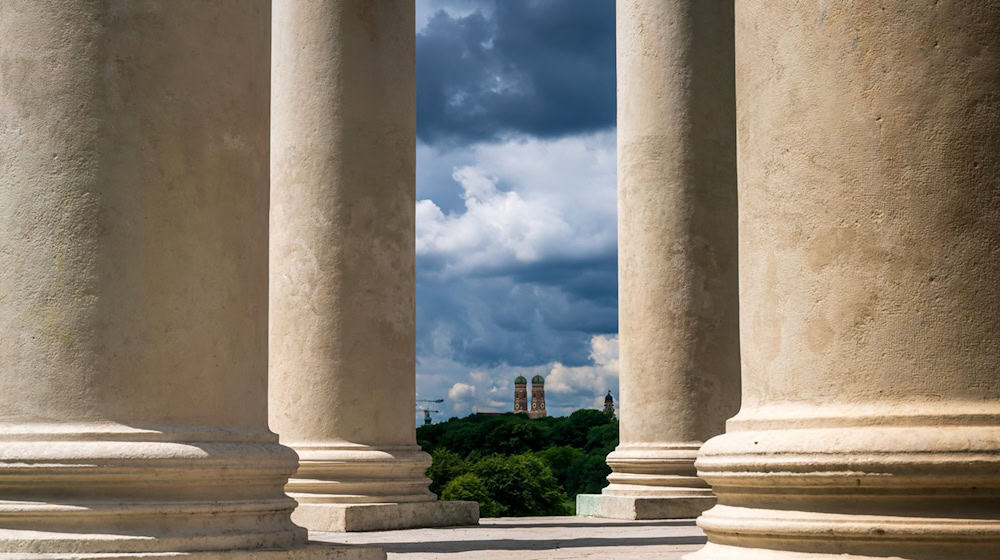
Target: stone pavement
(536, 538)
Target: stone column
(678, 330)
(870, 300)
(133, 285)
(342, 357)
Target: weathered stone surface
(383, 517)
(537, 538)
(310, 551)
(870, 306)
(678, 330)
(642, 507)
(342, 358)
(133, 284)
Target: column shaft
(342, 382)
(678, 331)
(870, 306)
(133, 282)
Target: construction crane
(427, 411)
(427, 415)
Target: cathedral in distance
(537, 409)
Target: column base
(906, 483)
(310, 551)
(385, 516)
(642, 507)
(712, 551)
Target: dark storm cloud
(516, 251)
(582, 294)
(485, 322)
(538, 68)
(594, 277)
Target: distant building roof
(609, 398)
(520, 380)
(538, 379)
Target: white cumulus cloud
(461, 392)
(588, 380)
(525, 201)
(516, 271)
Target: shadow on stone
(538, 544)
(658, 523)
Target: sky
(516, 228)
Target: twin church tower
(537, 396)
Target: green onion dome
(538, 379)
(520, 380)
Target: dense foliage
(472, 488)
(516, 466)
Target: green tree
(513, 437)
(587, 475)
(470, 487)
(572, 448)
(462, 437)
(506, 433)
(602, 440)
(522, 485)
(573, 429)
(560, 460)
(445, 467)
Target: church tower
(520, 395)
(537, 397)
(609, 405)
